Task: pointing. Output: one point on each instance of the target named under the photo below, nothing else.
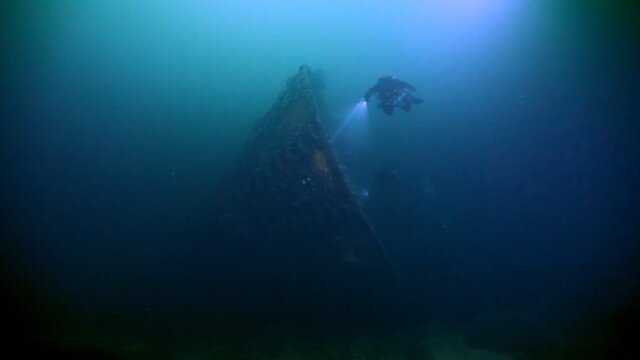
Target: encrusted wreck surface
(294, 238)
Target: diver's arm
(370, 92)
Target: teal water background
(518, 172)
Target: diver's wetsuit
(393, 93)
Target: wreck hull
(292, 239)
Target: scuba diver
(392, 93)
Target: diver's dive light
(359, 111)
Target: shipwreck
(291, 239)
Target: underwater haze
(507, 201)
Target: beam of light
(359, 111)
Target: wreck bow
(292, 236)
